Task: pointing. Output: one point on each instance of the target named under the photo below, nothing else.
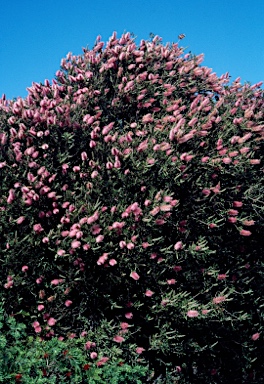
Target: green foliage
(29, 360)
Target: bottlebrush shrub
(132, 191)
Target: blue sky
(36, 35)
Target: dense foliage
(132, 195)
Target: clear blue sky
(36, 35)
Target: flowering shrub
(131, 192)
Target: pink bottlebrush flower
(84, 156)
(109, 165)
(61, 252)
(165, 208)
(193, 121)
(154, 211)
(88, 345)
(192, 313)
(37, 228)
(227, 160)
(245, 137)
(206, 192)
(86, 247)
(248, 223)
(177, 268)
(51, 195)
(160, 221)
(149, 293)
(117, 164)
(118, 339)
(93, 218)
(76, 168)
(129, 315)
(94, 174)
(71, 208)
(68, 303)
(145, 245)
(122, 244)
(178, 245)
(255, 336)
(71, 335)
(171, 281)
(51, 321)
(83, 221)
(219, 299)
(164, 302)
(151, 161)
(222, 151)
(244, 232)
(93, 355)
(95, 229)
(147, 202)
(102, 259)
(40, 307)
(212, 225)
(71, 234)
(233, 153)
(134, 275)
(237, 204)
(24, 268)
(205, 311)
(117, 225)
(244, 150)
(221, 276)
(254, 161)
(139, 350)
(232, 220)
(45, 240)
(130, 246)
(39, 280)
(76, 244)
(9, 284)
(167, 199)
(233, 212)
(20, 220)
(67, 291)
(99, 239)
(112, 262)
(148, 118)
(205, 159)
(2, 165)
(102, 361)
(124, 325)
(35, 324)
(55, 281)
